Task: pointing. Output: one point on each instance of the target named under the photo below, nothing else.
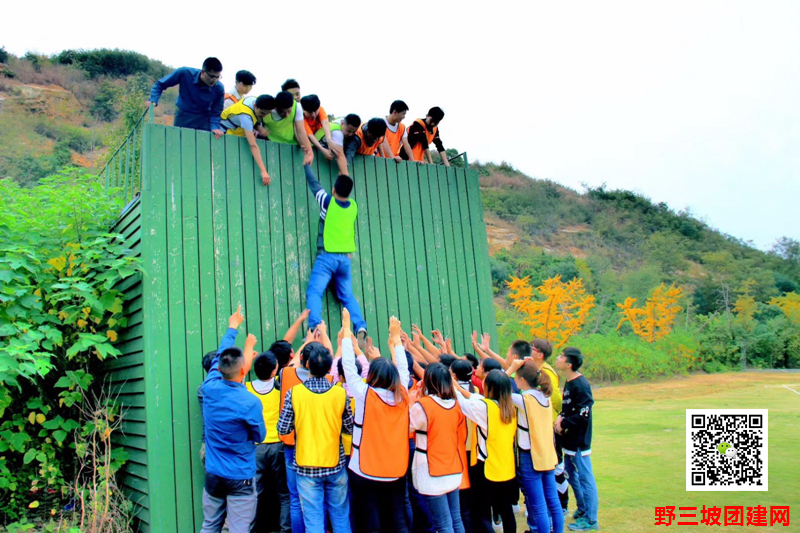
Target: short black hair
(473, 359)
(246, 77)
(462, 369)
(318, 359)
(340, 367)
(310, 103)
(574, 357)
(291, 83)
(343, 185)
(283, 352)
(264, 365)
(376, 127)
(265, 101)
(521, 349)
(212, 64)
(208, 358)
(399, 106)
(491, 364)
(353, 120)
(436, 114)
(447, 359)
(230, 362)
(284, 100)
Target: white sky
(695, 103)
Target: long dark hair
(437, 381)
(498, 388)
(535, 377)
(384, 375)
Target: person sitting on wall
(344, 141)
(200, 96)
(421, 134)
(285, 124)
(245, 116)
(244, 84)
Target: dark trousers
(489, 495)
(379, 506)
(272, 513)
(417, 512)
(467, 498)
(561, 478)
(195, 121)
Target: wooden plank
(362, 259)
(233, 172)
(157, 333)
(250, 181)
(205, 242)
(194, 325)
(132, 400)
(291, 307)
(126, 374)
(465, 230)
(323, 173)
(395, 199)
(385, 197)
(481, 246)
(129, 441)
(130, 387)
(137, 456)
(305, 220)
(133, 427)
(412, 209)
(429, 240)
(276, 208)
(440, 245)
(137, 414)
(455, 256)
(222, 279)
(124, 362)
(263, 197)
(381, 316)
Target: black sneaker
(578, 514)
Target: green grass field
(639, 447)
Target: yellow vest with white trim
(239, 108)
(318, 425)
(540, 431)
(500, 463)
(271, 407)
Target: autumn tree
(789, 303)
(555, 310)
(655, 319)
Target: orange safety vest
(447, 431)
(383, 444)
(231, 98)
(366, 149)
(289, 379)
(395, 139)
(418, 150)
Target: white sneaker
(516, 508)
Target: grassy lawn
(639, 447)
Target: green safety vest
(320, 133)
(282, 131)
(339, 234)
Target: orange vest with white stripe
(418, 150)
(383, 443)
(395, 139)
(447, 431)
(367, 149)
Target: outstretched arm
(291, 333)
(433, 350)
(302, 139)
(251, 140)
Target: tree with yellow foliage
(655, 319)
(789, 303)
(555, 310)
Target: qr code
(726, 450)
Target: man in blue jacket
(201, 96)
(234, 423)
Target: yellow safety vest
(239, 108)
(318, 425)
(556, 399)
(499, 463)
(540, 431)
(271, 406)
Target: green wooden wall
(214, 237)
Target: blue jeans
(321, 494)
(295, 510)
(195, 121)
(446, 512)
(336, 267)
(541, 496)
(581, 479)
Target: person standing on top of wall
(335, 242)
(285, 124)
(421, 134)
(245, 116)
(244, 84)
(200, 96)
(395, 132)
(292, 86)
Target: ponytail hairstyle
(498, 388)
(437, 381)
(535, 378)
(384, 375)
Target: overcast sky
(695, 103)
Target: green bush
(3, 55)
(113, 63)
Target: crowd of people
(291, 118)
(333, 437)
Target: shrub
(3, 55)
(114, 63)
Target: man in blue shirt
(201, 97)
(234, 423)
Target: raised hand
(321, 329)
(236, 319)
(485, 342)
(515, 365)
(416, 341)
(436, 336)
(415, 329)
(474, 339)
(394, 332)
(449, 344)
(250, 342)
(345, 319)
(372, 352)
(304, 315)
